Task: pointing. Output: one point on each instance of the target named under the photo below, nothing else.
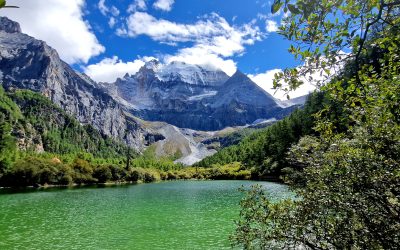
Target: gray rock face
(28, 63)
(190, 96)
(9, 26)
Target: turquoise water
(166, 215)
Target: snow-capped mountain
(192, 74)
(188, 96)
(192, 96)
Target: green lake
(166, 215)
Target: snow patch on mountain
(202, 96)
(188, 73)
(262, 121)
(292, 102)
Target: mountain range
(171, 106)
(191, 96)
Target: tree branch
(396, 3)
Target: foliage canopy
(348, 179)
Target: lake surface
(166, 215)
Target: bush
(102, 173)
(33, 171)
(82, 172)
(144, 175)
(118, 173)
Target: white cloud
(265, 81)
(141, 23)
(165, 5)
(109, 69)
(310, 80)
(200, 57)
(102, 7)
(214, 39)
(105, 10)
(271, 26)
(60, 23)
(114, 11)
(112, 21)
(137, 5)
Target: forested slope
(34, 124)
(265, 151)
(37, 138)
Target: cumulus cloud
(310, 80)
(199, 57)
(109, 69)
(265, 81)
(165, 5)
(271, 26)
(141, 23)
(102, 7)
(137, 5)
(213, 39)
(105, 10)
(61, 24)
(111, 22)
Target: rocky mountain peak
(153, 64)
(28, 63)
(192, 74)
(9, 26)
(239, 75)
(239, 78)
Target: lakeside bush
(232, 171)
(38, 171)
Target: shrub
(102, 173)
(82, 171)
(32, 171)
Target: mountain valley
(169, 106)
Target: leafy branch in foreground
(3, 4)
(348, 181)
(327, 34)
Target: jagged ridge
(191, 96)
(27, 63)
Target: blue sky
(268, 53)
(108, 38)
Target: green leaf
(293, 9)
(2, 3)
(276, 7)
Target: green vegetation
(264, 152)
(40, 171)
(232, 171)
(347, 173)
(70, 153)
(3, 4)
(34, 171)
(9, 117)
(149, 160)
(61, 133)
(42, 145)
(230, 138)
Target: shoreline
(111, 184)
